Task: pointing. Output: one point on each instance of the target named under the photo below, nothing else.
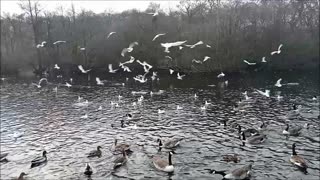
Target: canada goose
(162, 164)
(240, 173)
(21, 176)
(169, 144)
(231, 158)
(298, 160)
(293, 131)
(121, 147)
(88, 170)
(95, 153)
(257, 139)
(248, 132)
(119, 161)
(39, 160)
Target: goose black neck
(170, 160)
(287, 128)
(239, 129)
(294, 150)
(224, 123)
(262, 125)
(160, 143)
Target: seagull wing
(280, 47)
(124, 51)
(110, 68)
(110, 34)
(158, 35)
(133, 44)
(81, 69)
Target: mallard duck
(293, 131)
(162, 164)
(169, 144)
(298, 160)
(88, 170)
(119, 161)
(240, 173)
(21, 176)
(121, 147)
(95, 153)
(248, 132)
(257, 139)
(39, 160)
(231, 158)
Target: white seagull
(56, 66)
(171, 71)
(208, 46)
(278, 84)
(278, 51)
(110, 34)
(196, 61)
(154, 14)
(249, 63)
(99, 82)
(221, 75)
(129, 49)
(263, 60)
(112, 70)
(42, 44)
(160, 111)
(206, 58)
(39, 83)
(158, 35)
(59, 42)
(68, 85)
(196, 44)
(266, 93)
(172, 44)
(82, 70)
(180, 76)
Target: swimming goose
(248, 132)
(88, 170)
(240, 173)
(95, 153)
(21, 176)
(169, 144)
(231, 158)
(256, 139)
(298, 160)
(162, 164)
(121, 147)
(119, 161)
(39, 160)
(293, 131)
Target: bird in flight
(278, 51)
(59, 42)
(112, 70)
(129, 49)
(172, 44)
(249, 63)
(82, 70)
(110, 34)
(158, 35)
(56, 66)
(194, 45)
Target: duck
(88, 170)
(119, 161)
(169, 144)
(162, 164)
(39, 160)
(297, 160)
(21, 176)
(294, 131)
(248, 132)
(95, 153)
(240, 173)
(121, 147)
(257, 139)
(231, 158)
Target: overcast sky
(96, 6)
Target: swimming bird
(196, 44)
(195, 96)
(206, 58)
(112, 70)
(314, 98)
(179, 107)
(256, 139)
(180, 76)
(39, 160)
(171, 71)
(21, 176)
(203, 108)
(239, 174)
(119, 161)
(207, 103)
(160, 111)
(56, 66)
(40, 81)
(278, 84)
(293, 131)
(121, 147)
(221, 75)
(158, 35)
(170, 143)
(263, 60)
(162, 164)
(110, 34)
(82, 70)
(266, 93)
(95, 153)
(172, 44)
(278, 51)
(140, 99)
(59, 42)
(298, 160)
(88, 171)
(42, 44)
(129, 49)
(248, 132)
(84, 116)
(231, 158)
(100, 108)
(99, 82)
(249, 63)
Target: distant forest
(235, 30)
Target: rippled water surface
(36, 119)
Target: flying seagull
(221, 75)
(82, 70)
(278, 84)
(194, 45)
(99, 82)
(278, 51)
(39, 83)
(42, 44)
(110, 34)
(158, 35)
(172, 44)
(56, 66)
(263, 60)
(180, 76)
(59, 42)
(129, 49)
(249, 63)
(112, 70)
(266, 93)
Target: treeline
(234, 29)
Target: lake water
(44, 120)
